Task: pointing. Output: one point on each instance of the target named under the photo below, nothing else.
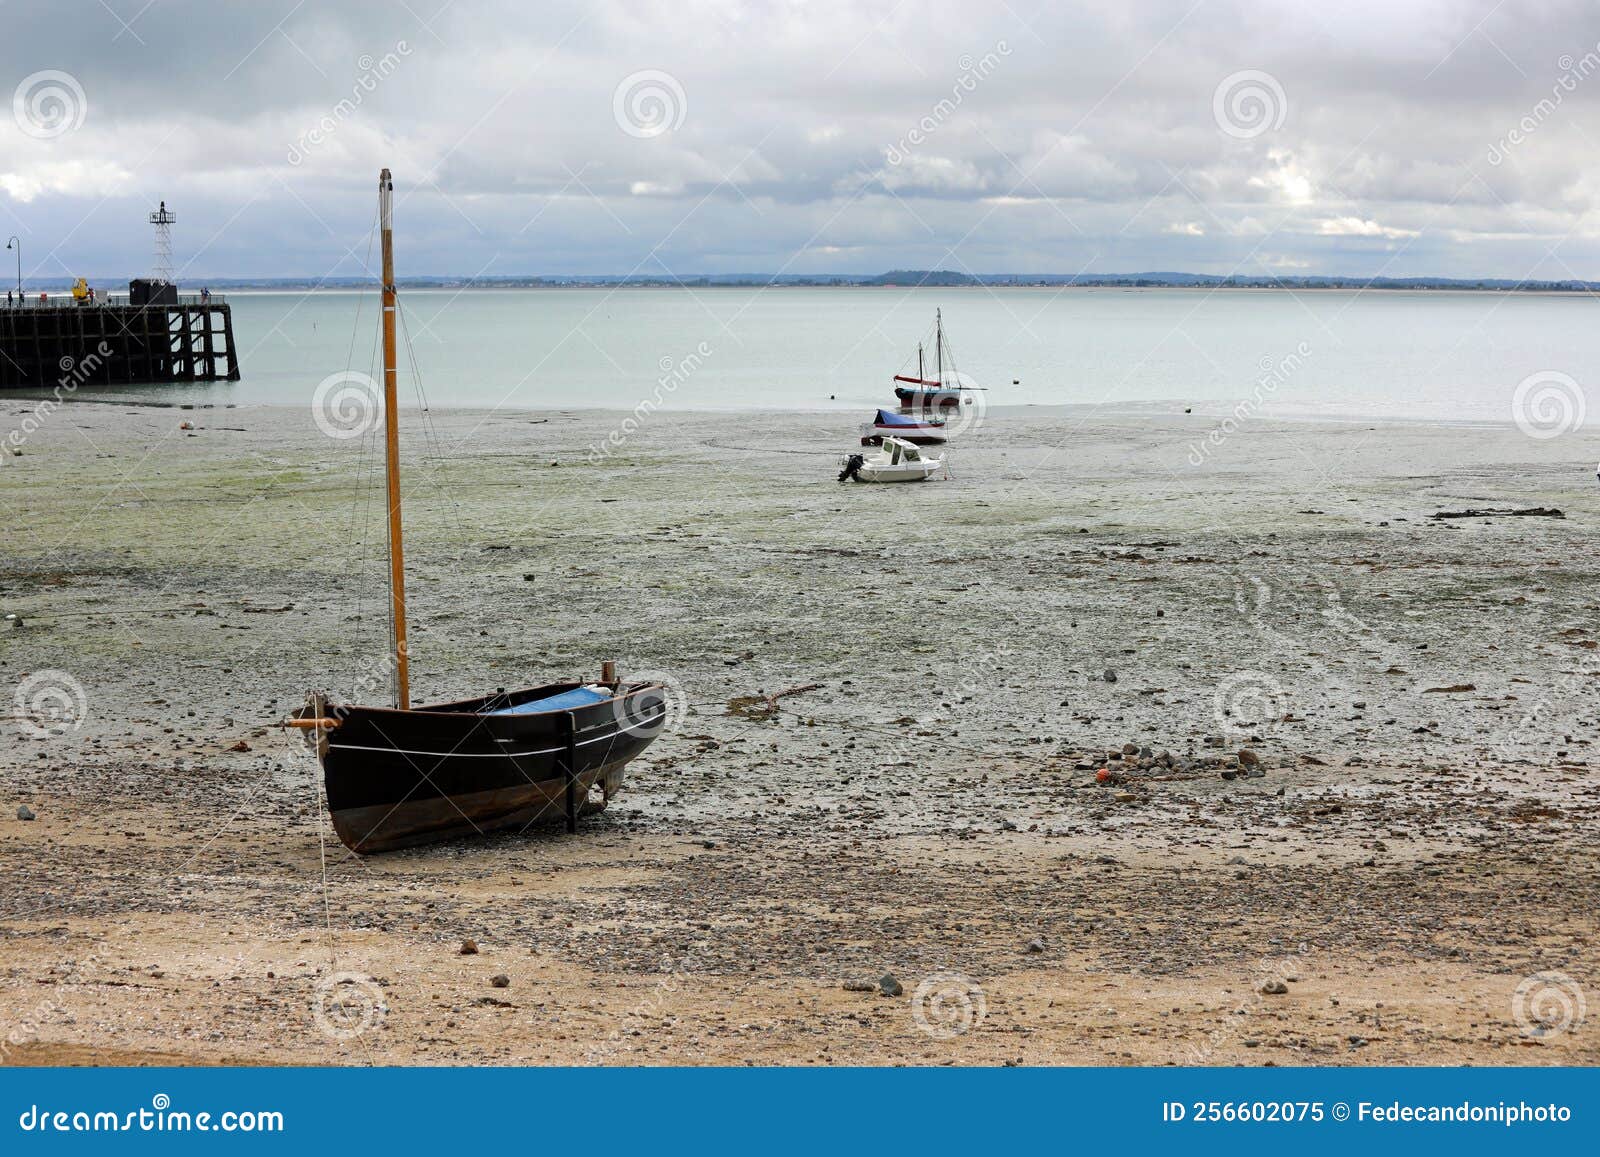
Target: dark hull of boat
(921, 399)
(399, 778)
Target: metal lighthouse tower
(163, 220)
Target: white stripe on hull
(608, 736)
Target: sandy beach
(912, 862)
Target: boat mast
(391, 429)
(938, 341)
(919, 361)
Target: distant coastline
(895, 279)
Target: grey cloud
(815, 137)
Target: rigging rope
(365, 467)
(433, 442)
(931, 358)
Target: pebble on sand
(500, 980)
(469, 948)
(1274, 988)
(888, 985)
(25, 813)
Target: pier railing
(65, 300)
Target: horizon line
(901, 278)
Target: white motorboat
(895, 461)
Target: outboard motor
(852, 467)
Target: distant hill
(1312, 281)
(941, 278)
(921, 277)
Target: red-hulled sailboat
(946, 389)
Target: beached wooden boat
(403, 775)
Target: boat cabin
(901, 451)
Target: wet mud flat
(1351, 819)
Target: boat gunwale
(344, 709)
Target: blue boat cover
(887, 418)
(565, 701)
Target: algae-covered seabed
(1416, 867)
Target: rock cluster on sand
(1132, 762)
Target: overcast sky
(1352, 137)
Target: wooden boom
(311, 724)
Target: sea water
(1377, 354)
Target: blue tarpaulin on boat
(887, 418)
(566, 701)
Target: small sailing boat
(946, 389)
(404, 775)
(896, 461)
(924, 431)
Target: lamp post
(16, 243)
